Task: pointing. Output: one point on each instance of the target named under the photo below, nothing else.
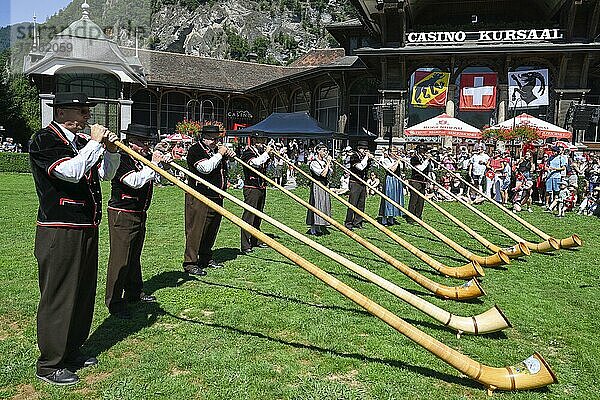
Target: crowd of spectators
(554, 177)
(8, 145)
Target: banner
(430, 89)
(528, 88)
(478, 91)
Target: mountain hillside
(274, 32)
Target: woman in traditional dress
(393, 188)
(320, 169)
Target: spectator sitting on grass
(559, 200)
(239, 182)
(373, 182)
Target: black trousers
(357, 197)
(416, 202)
(68, 272)
(127, 232)
(255, 198)
(201, 228)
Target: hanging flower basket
(188, 127)
(520, 133)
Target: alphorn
(490, 321)
(496, 259)
(517, 250)
(534, 372)
(549, 243)
(470, 289)
(469, 270)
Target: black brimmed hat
(71, 99)
(362, 144)
(139, 131)
(211, 132)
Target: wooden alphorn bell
(496, 259)
(549, 243)
(517, 250)
(469, 270)
(534, 372)
(470, 289)
(490, 321)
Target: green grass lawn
(263, 328)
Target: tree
(19, 103)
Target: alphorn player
(67, 167)
(393, 188)
(360, 160)
(255, 189)
(320, 170)
(417, 181)
(127, 213)
(206, 158)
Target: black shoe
(147, 298)
(194, 269)
(82, 361)
(247, 252)
(214, 264)
(61, 377)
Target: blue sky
(14, 11)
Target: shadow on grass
(285, 298)
(113, 330)
(347, 254)
(427, 251)
(225, 254)
(357, 356)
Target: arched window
(206, 108)
(278, 105)
(173, 110)
(363, 96)
(95, 84)
(92, 82)
(144, 109)
(327, 106)
(301, 101)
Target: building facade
(380, 52)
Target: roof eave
(480, 49)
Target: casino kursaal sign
(502, 36)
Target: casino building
(374, 68)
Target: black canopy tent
(298, 125)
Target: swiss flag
(478, 91)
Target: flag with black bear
(430, 89)
(528, 88)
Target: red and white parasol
(546, 128)
(444, 125)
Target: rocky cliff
(268, 31)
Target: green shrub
(14, 162)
